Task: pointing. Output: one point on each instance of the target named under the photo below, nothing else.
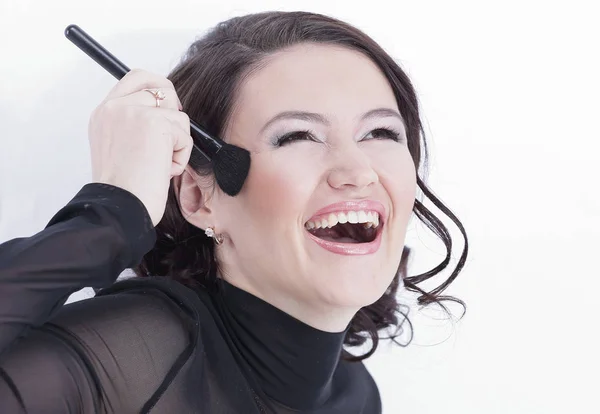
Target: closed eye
(304, 135)
(294, 136)
(384, 133)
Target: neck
(333, 319)
(293, 362)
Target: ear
(192, 199)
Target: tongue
(339, 239)
(338, 234)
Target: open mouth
(348, 227)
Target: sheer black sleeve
(108, 354)
(80, 357)
(88, 243)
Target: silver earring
(210, 232)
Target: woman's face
(327, 142)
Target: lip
(345, 206)
(351, 249)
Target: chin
(351, 288)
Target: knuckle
(104, 110)
(136, 71)
(171, 98)
(150, 119)
(184, 119)
(108, 106)
(94, 114)
(132, 74)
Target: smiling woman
(243, 304)
(331, 120)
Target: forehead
(332, 80)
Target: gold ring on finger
(158, 95)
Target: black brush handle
(96, 51)
(210, 145)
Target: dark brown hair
(206, 80)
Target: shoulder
(154, 307)
(136, 335)
(135, 323)
(132, 311)
(120, 349)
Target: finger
(178, 119)
(182, 120)
(147, 98)
(136, 80)
(182, 151)
(174, 116)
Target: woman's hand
(137, 146)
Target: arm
(108, 354)
(89, 242)
(104, 354)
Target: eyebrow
(318, 118)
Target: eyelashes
(307, 135)
(304, 135)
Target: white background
(509, 93)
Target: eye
(385, 133)
(294, 136)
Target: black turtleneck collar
(292, 362)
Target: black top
(151, 344)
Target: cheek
(397, 175)
(278, 188)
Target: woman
(245, 302)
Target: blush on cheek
(277, 190)
(397, 174)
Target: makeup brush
(230, 163)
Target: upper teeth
(370, 218)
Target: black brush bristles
(231, 166)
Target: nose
(351, 169)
